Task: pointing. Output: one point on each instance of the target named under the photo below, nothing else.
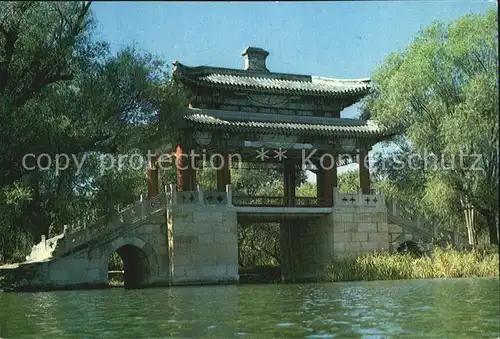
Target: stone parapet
(205, 244)
(359, 229)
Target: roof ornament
(268, 100)
(203, 138)
(255, 59)
(348, 145)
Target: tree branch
(11, 37)
(53, 72)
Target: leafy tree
(349, 182)
(63, 92)
(307, 189)
(441, 96)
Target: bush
(440, 263)
(115, 263)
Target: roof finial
(255, 59)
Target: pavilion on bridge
(269, 117)
(189, 235)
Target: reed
(438, 263)
(115, 282)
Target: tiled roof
(271, 82)
(291, 125)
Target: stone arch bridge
(190, 237)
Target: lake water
(455, 308)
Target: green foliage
(63, 92)
(441, 95)
(307, 189)
(259, 244)
(115, 262)
(348, 182)
(440, 263)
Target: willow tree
(64, 92)
(441, 94)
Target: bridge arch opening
(135, 266)
(259, 257)
(410, 247)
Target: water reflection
(462, 308)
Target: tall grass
(115, 282)
(439, 263)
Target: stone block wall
(205, 244)
(359, 229)
(154, 234)
(397, 236)
(89, 266)
(192, 242)
(309, 245)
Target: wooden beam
(223, 171)
(290, 181)
(329, 168)
(320, 183)
(152, 177)
(364, 170)
(189, 177)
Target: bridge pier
(203, 228)
(311, 246)
(190, 237)
(306, 248)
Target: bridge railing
(358, 199)
(200, 196)
(310, 202)
(259, 200)
(213, 197)
(134, 213)
(425, 228)
(277, 201)
(41, 250)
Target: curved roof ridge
(281, 118)
(367, 80)
(229, 120)
(178, 66)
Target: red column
(186, 174)
(152, 177)
(364, 170)
(179, 163)
(223, 171)
(330, 177)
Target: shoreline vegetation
(433, 264)
(437, 264)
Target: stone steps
(99, 231)
(406, 225)
(425, 230)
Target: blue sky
(330, 39)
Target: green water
(459, 308)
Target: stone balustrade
(212, 197)
(74, 237)
(358, 199)
(84, 231)
(201, 196)
(423, 227)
